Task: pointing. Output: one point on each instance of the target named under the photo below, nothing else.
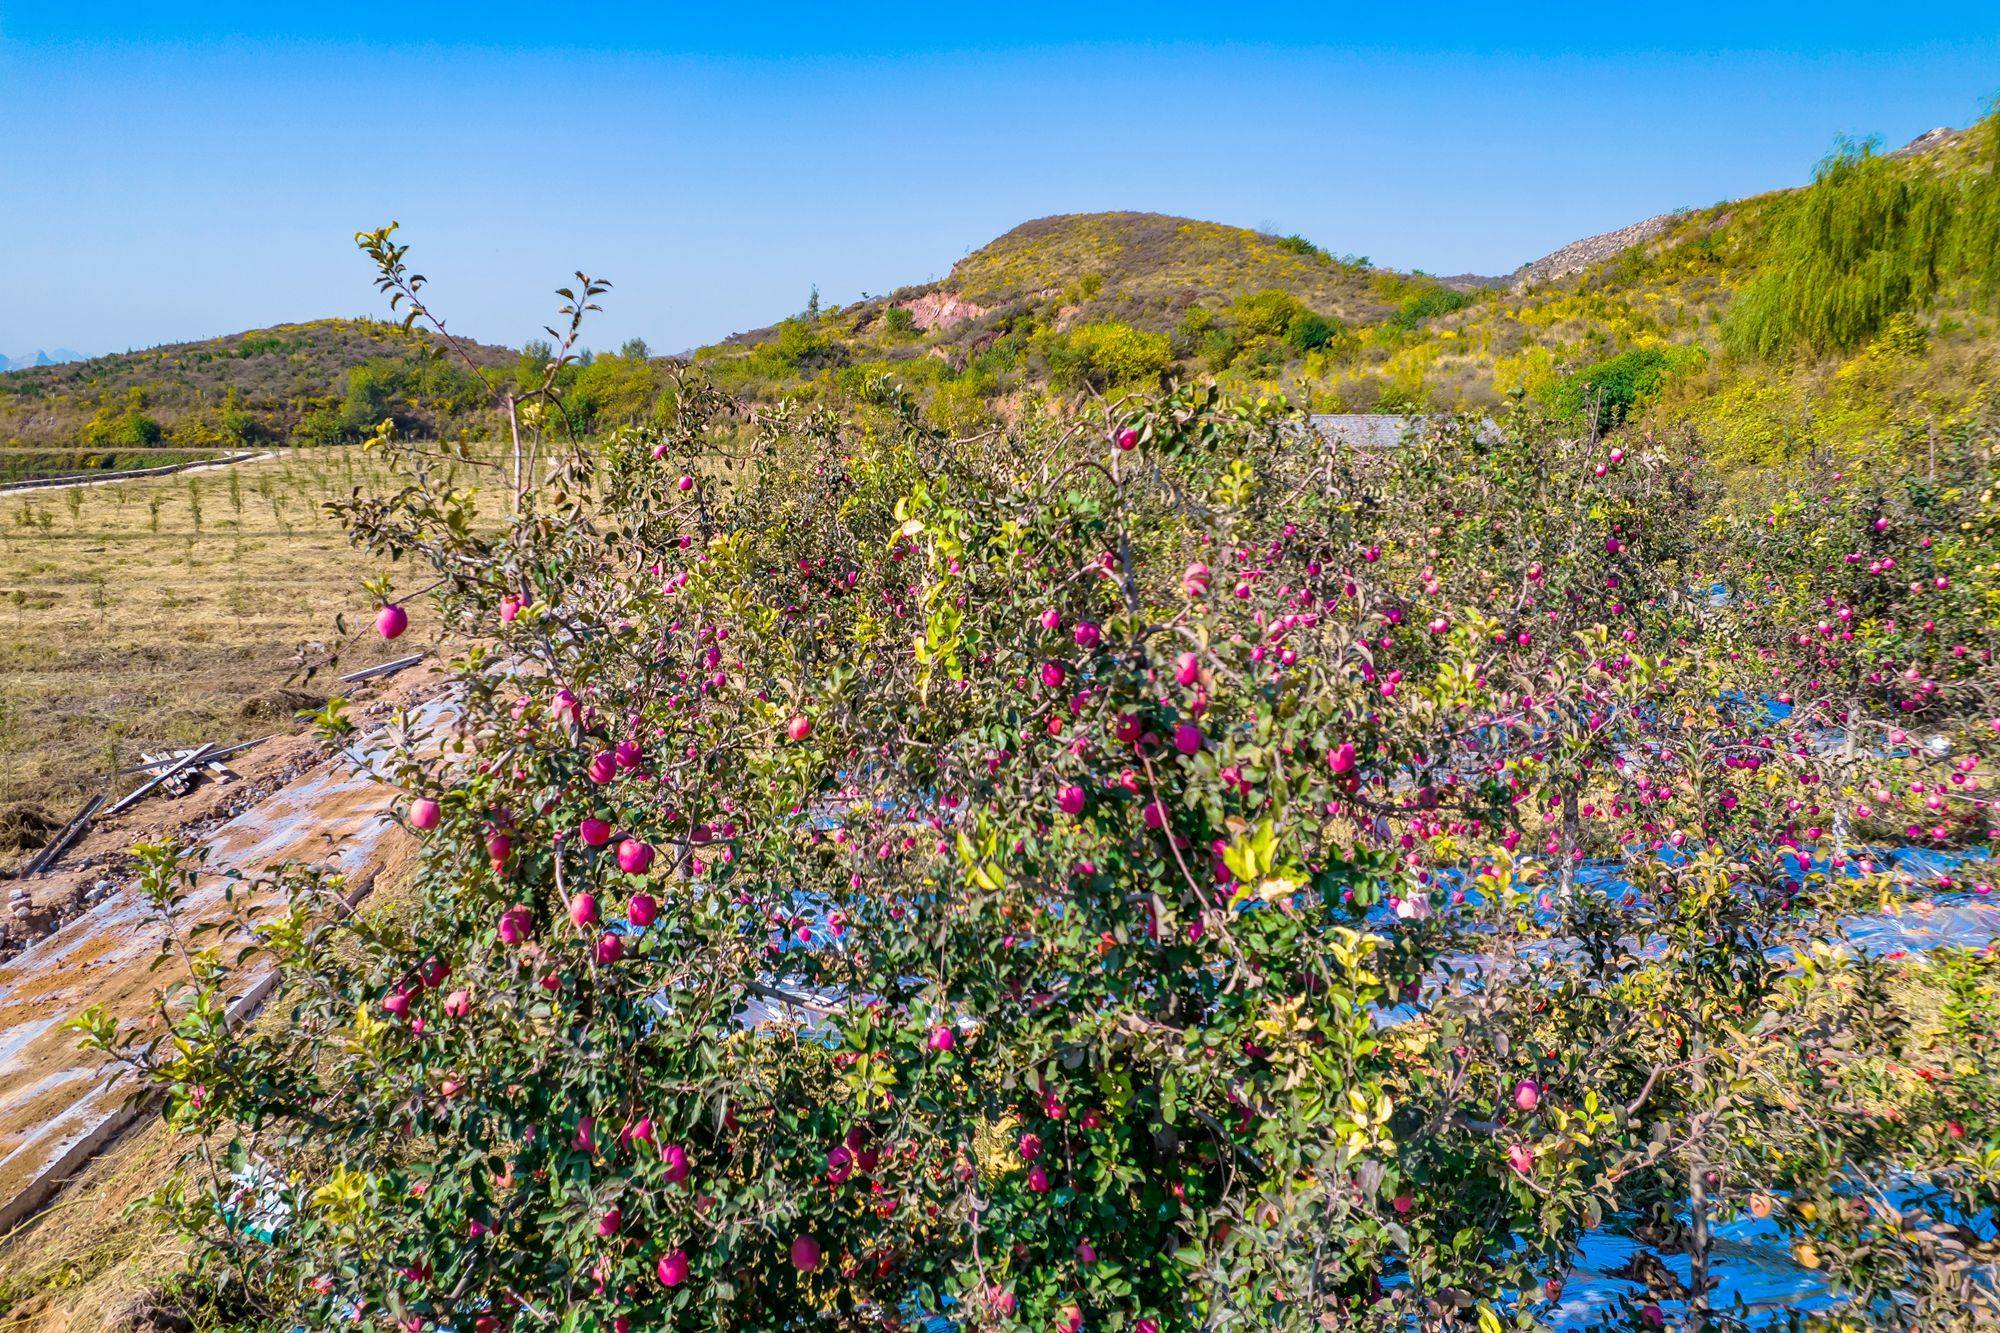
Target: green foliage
(133, 428)
(1193, 326)
(1872, 238)
(249, 388)
(1975, 249)
(800, 346)
(124, 423)
(1604, 394)
(1428, 304)
(1309, 332)
(240, 428)
(612, 391)
(1106, 355)
(1268, 313)
(532, 365)
(372, 393)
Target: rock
(1928, 140)
(1580, 255)
(941, 310)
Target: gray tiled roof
(1376, 430)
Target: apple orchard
(1136, 869)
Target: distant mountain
(27, 361)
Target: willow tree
(1865, 242)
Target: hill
(1089, 301)
(319, 381)
(1148, 268)
(1854, 314)
(1631, 326)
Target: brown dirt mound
(280, 705)
(24, 826)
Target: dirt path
(113, 478)
(57, 1107)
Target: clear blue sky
(173, 171)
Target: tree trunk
(1698, 1243)
(1566, 874)
(514, 431)
(1698, 1237)
(1840, 800)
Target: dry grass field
(169, 611)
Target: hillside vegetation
(1147, 267)
(1847, 315)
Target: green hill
(1147, 268)
(315, 382)
(1089, 301)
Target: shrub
(1191, 330)
(1266, 314)
(239, 428)
(1105, 355)
(1219, 348)
(1602, 395)
(1428, 304)
(799, 346)
(1308, 332)
(128, 427)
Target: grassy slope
(1938, 368)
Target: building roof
(1378, 430)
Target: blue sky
(177, 171)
